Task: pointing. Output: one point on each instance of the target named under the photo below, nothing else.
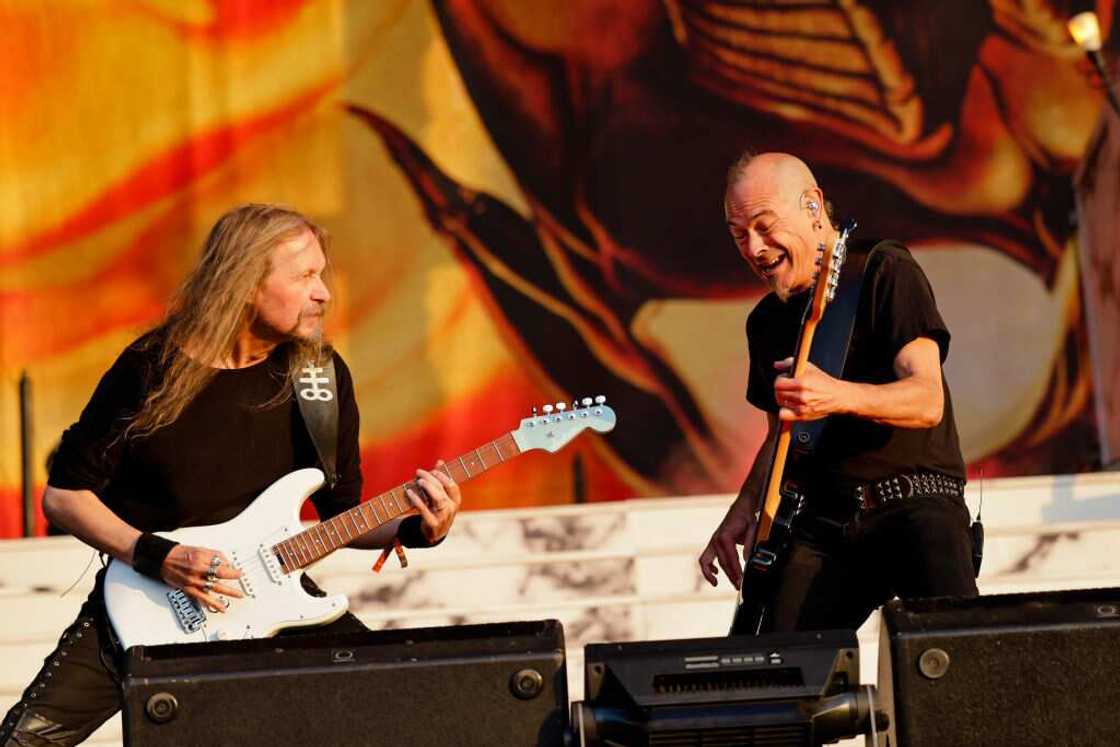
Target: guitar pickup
(244, 580)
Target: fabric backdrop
(525, 199)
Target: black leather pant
(840, 569)
(78, 687)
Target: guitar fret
(384, 507)
(293, 561)
(472, 463)
(357, 531)
(328, 541)
(285, 561)
(305, 546)
(300, 554)
(332, 534)
(509, 443)
(368, 508)
(497, 452)
(464, 466)
(342, 525)
(372, 503)
(316, 534)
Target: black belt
(898, 488)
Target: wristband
(149, 554)
(411, 533)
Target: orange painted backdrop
(525, 204)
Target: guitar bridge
(190, 616)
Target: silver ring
(215, 561)
(206, 587)
(210, 576)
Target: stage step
(608, 571)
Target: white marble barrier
(609, 571)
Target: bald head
(775, 213)
(783, 175)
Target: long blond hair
(212, 306)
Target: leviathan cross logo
(313, 378)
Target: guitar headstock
(557, 424)
(828, 277)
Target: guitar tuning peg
(600, 399)
(575, 404)
(546, 409)
(534, 411)
(585, 401)
(561, 406)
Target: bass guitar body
(766, 563)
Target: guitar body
(270, 546)
(764, 567)
(144, 611)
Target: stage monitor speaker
(464, 685)
(787, 690)
(1017, 669)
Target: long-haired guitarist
(883, 512)
(189, 425)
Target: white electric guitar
(270, 547)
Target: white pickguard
(142, 614)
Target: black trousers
(840, 569)
(79, 686)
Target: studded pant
(78, 687)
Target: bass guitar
(271, 548)
(784, 499)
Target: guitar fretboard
(302, 549)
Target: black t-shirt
(207, 466)
(896, 307)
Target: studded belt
(897, 488)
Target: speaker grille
(747, 679)
(742, 736)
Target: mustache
(317, 309)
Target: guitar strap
(834, 334)
(317, 395)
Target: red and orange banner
(525, 204)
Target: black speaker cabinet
(499, 684)
(1017, 669)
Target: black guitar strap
(833, 336)
(317, 395)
